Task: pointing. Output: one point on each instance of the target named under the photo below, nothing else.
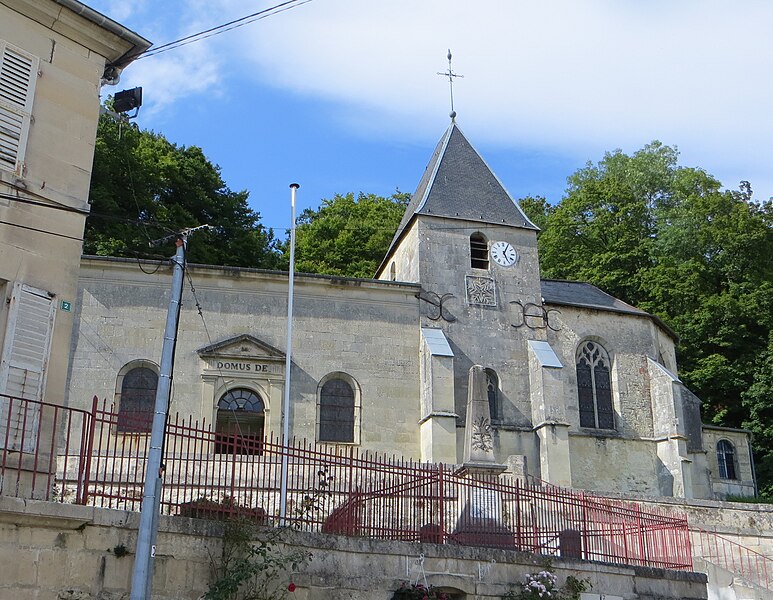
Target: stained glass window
(594, 387)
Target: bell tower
(474, 252)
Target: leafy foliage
(348, 236)
(253, 566)
(668, 239)
(313, 504)
(144, 187)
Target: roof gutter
(140, 43)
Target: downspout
(751, 461)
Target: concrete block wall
(53, 551)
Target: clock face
(504, 254)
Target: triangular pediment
(242, 346)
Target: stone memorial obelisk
(478, 437)
(480, 515)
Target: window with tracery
(137, 400)
(492, 390)
(594, 387)
(726, 460)
(337, 411)
(239, 425)
(478, 251)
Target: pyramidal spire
(458, 184)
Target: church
(583, 389)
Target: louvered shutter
(18, 74)
(23, 364)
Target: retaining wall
(51, 551)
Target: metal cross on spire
(450, 74)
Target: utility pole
(145, 550)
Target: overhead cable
(212, 31)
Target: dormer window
(478, 251)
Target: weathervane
(450, 74)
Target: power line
(226, 381)
(62, 207)
(35, 229)
(207, 33)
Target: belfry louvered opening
(478, 251)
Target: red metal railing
(345, 491)
(37, 440)
(733, 557)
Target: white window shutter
(24, 363)
(18, 74)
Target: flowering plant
(544, 585)
(416, 591)
(539, 585)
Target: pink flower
(291, 587)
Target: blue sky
(342, 95)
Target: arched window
(239, 426)
(478, 251)
(338, 410)
(594, 387)
(726, 460)
(392, 272)
(137, 398)
(492, 389)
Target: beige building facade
(54, 58)
(582, 389)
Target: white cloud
(569, 77)
(173, 76)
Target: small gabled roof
(458, 184)
(580, 293)
(244, 345)
(586, 295)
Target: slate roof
(585, 295)
(458, 184)
(579, 293)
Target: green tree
(144, 187)
(758, 400)
(670, 240)
(348, 236)
(602, 231)
(537, 209)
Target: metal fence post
(442, 496)
(84, 477)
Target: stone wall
(63, 552)
(365, 329)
